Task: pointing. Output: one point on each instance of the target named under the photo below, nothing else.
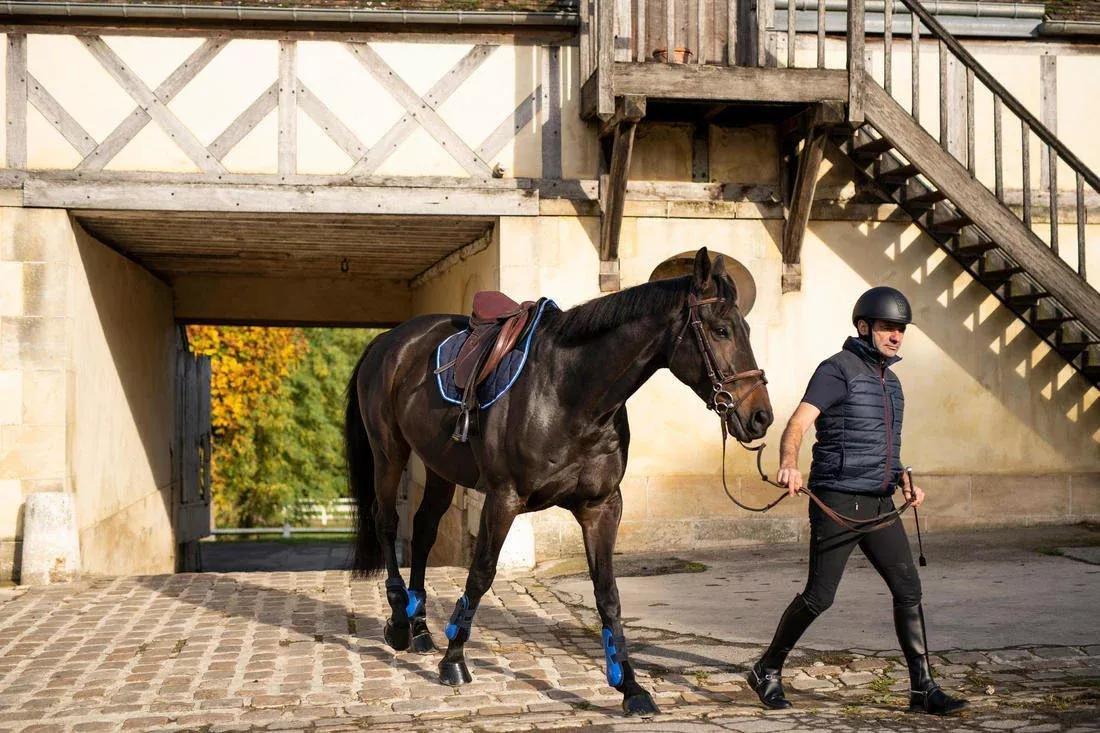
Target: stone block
(51, 552)
(753, 530)
(11, 506)
(945, 496)
(688, 497)
(44, 397)
(11, 396)
(33, 342)
(45, 286)
(1084, 494)
(1028, 495)
(32, 452)
(11, 289)
(35, 235)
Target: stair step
(926, 200)
(872, 149)
(1047, 325)
(973, 252)
(951, 225)
(1025, 300)
(1070, 349)
(898, 175)
(1000, 276)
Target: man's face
(886, 335)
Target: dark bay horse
(559, 437)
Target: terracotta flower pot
(678, 56)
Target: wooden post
(855, 61)
(16, 100)
(605, 57)
(628, 111)
(288, 108)
(815, 131)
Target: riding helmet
(884, 304)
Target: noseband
(723, 402)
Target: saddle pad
(502, 378)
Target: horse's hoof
(396, 636)
(454, 673)
(422, 643)
(640, 703)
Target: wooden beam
(629, 108)
(16, 100)
(332, 125)
(288, 108)
(511, 125)
(700, 153)
(613, 195)
(419, 110)
(551, 126)
(856, 61)
(158, 110)
(605, 57)
(802, 198)
(976, 201)
(139, 117)
(246, 122)
(57, 116)
(437, 95)
(730, 83)
(280, 198)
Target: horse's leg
(389, 462)
(501, 507)
(438, 493)
(599, 525)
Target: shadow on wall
(130, 306)
(963, 318)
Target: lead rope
(852, 524)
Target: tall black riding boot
(925, 696)
(766, 675)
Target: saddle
(496, 325)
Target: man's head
(881, 315)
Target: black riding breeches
(831, 544)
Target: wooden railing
(959, 76)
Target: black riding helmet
(884, 304)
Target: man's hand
(911, 493)
(791, 478)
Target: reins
(723, 402)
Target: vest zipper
(888, 424)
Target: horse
(558, 437)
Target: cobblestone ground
(303, 651)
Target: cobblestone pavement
(294, 651)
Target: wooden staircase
(906, 165)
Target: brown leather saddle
(496, 326)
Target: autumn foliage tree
(277, 414)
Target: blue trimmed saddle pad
(502, 378)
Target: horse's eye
(722, 332)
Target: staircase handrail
(1013, 104)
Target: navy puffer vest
(858, 448)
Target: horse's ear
(719, 271)
(701, 278)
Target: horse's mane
(600, 315)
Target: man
(857, 403)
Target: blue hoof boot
(397, 636)
(454, 674)
(640, 703)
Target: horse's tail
(360, 463)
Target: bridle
(723, 402)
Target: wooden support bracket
(621, 126)
(813, 128)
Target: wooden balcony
(728, 51)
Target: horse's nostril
(761, 419)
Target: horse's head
(711, 352)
